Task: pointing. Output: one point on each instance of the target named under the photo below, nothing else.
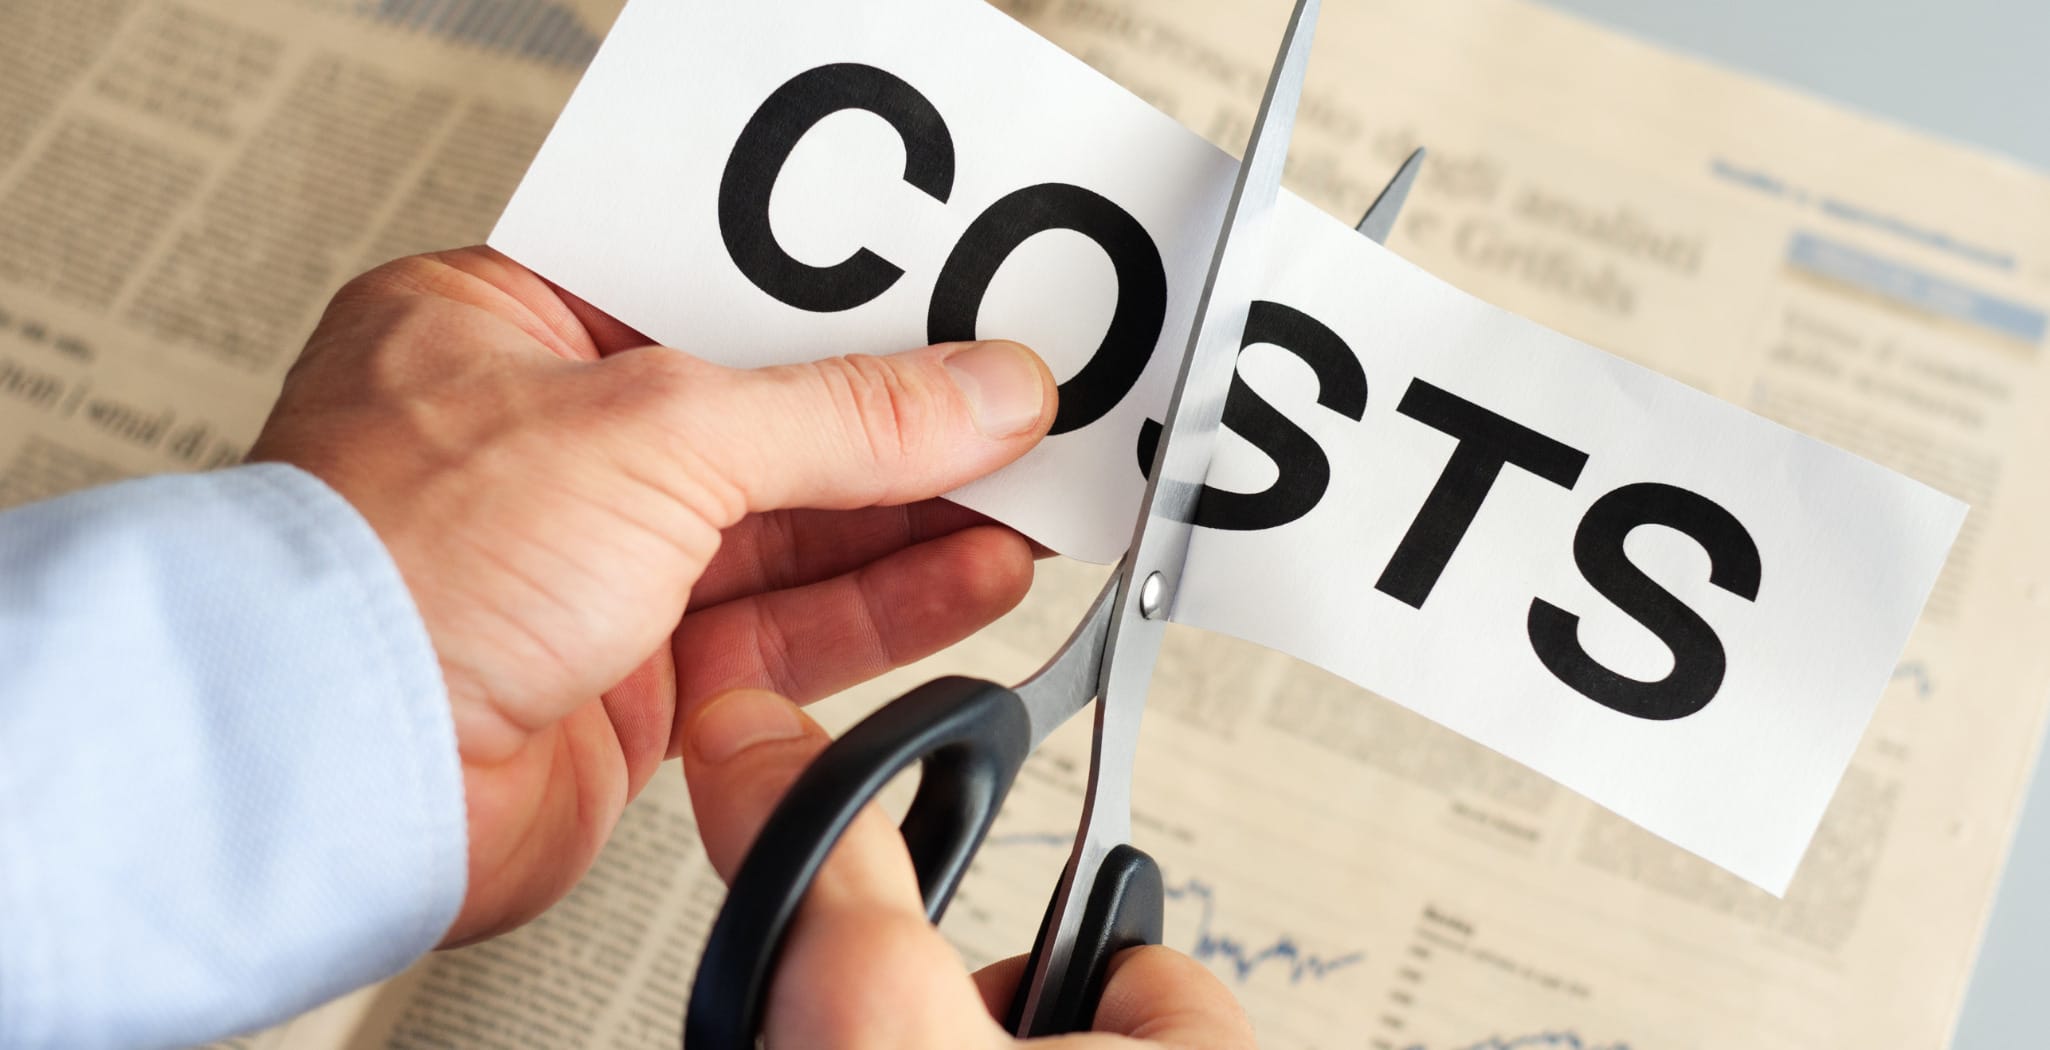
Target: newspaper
(183, 182)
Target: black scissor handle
(970, 737)
(1124, 910)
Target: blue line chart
(1565, 1039)
(1243, 959)
(1916, 674)
(1300, 965)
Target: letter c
(764, 146)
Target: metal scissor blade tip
(1207, 367)
(1379, 220)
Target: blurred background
(1967, 70)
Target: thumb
(863, 431)
(1163, 997)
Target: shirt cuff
(229, 785)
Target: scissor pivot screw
(1150, 593)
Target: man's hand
(556, 492)
(861, 966)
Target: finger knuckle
(656, 377)
(884, 407)
(778, 658)
(780, 550)
(664, 399)
(654, 389)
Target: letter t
(1486, 442)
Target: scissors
(970, 737)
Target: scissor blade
(1068, 681)
(1160, 538)
(1379, 220)
(1182, 461)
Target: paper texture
(1358, 875)
(1441, 536)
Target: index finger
(780, 549)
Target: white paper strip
(1679, 609)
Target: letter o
(1135, 325)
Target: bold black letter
(1142, 288)
(1303, 471)
(765, 145)
(1486, 442)
(1698, 660)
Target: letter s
(1303, 472)
(764, 147)
(1698, 659)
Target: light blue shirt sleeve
(229, 787)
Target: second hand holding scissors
(970, 737)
